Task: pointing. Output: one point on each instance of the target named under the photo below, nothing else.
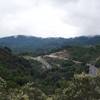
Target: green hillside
(27, 78)
(24, 44)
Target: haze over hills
(23, 43)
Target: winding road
(41, 60)
(92, 69)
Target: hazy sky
(49, 18)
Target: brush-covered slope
(16, 70)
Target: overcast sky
(50, 18)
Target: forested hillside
(26, 77)
(24, 44)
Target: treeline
(20, 44)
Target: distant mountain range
(32, 44)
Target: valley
(66, 73)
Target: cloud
(85, 15)
(50, 18)
(33, 17)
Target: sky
(50, 18)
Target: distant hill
(32, 44)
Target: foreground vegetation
(81, 87)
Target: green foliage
(97, 64)
(82, 87)
(26, 92)
(84, 54)
(63, 81)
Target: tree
(83, 87)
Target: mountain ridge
(23, 43)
